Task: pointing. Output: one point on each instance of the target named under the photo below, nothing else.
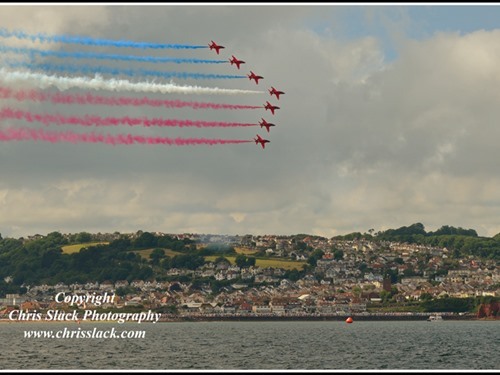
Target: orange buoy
(349, 320)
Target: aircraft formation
(32, 68)
(252, 76)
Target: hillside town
(338, 277)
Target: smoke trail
(4, 33)
(98, 83)
(89, 99)
(105, 56)
(26, 134)
(86, 69)
(93, 120)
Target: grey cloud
(359, 143)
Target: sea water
(271, 345)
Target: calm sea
(335, 345)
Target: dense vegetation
(461, 242)
(43, 261)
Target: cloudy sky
(390, 118)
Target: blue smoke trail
(85, 69)
(4, 33)
(104, 56)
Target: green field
(280, 263)
(146, 252)
(245, 251)
(263, 263)
(260, 262)
(70, 249)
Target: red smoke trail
(58, 98)
(92, 120)
(25, 134)
(22, 95)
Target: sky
(389, 118)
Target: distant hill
(81, 258)
(462, 242)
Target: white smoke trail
(98, 83)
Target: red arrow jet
(276, 92)
(261, 140)
(214, 45)
(266, 124)
(252, 75)
(271, 107)
(234, 60)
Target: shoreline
(316, 318)
(166, 318)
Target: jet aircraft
(266, 124)
(271, 107)
(234, 60)
(261, 140)
(252, 75)
(214, 45)
(275, 92)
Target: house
(222, 266)
(134, 301)
(191, 306)
(220, 276)
(245, 307)
(239, 286)
(294, 307)
(231, 275)
(261, 308)
(207, 307)
(121, 284)
(278, 306)
(61, 287)
(137, 283)
(173, 272)
(228, 308)
(107, 286)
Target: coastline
(166, 318)
(310, 318)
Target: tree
(398, 260)
(385, 295)
(123, 291)
(243, 261)
(363, 267)
(122, 243)
(292, 275)
(426, 297)
(409, 272)
(166, 262)
(221, 259)
(313, 258)
(356, 290)
(156, 255)
(338, 254)
(187, 261)
(145, 240)
(392, 274)
(83, 237)
(301, 246)
(448, 305)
